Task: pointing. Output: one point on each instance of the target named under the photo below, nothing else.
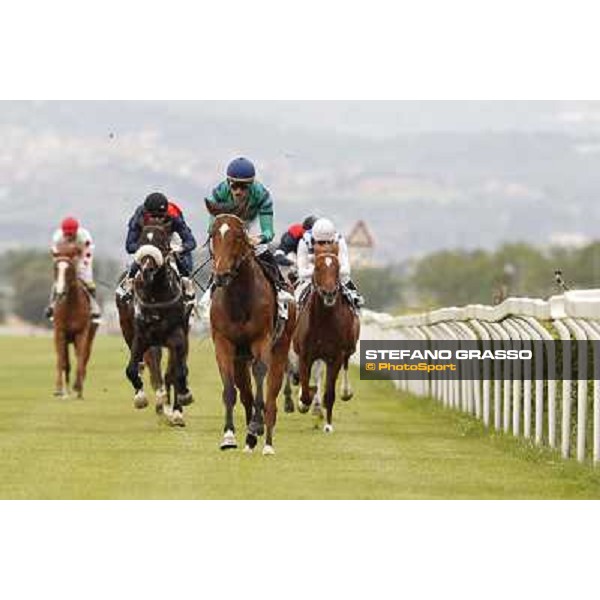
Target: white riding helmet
(324, 231)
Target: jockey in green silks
(239, 187)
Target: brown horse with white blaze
(243, 324)
(72, 320)
(327, 329)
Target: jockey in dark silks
(155, 206)
(241, 187)
(286, 253)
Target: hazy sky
(390, 118)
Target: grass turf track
(386, 445)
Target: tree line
(445, 278)
(460, 277)
(26, 278)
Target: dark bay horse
(327, 329)
(242, 318)
(160, 319)
(72, 319)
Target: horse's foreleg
(333, 370)
(257, 422)
(225, 353)
(138, 347)
(62, 360)
(318, 372)
(152, 359)
(274, 381)
(244, 385)
(304, 369)
(178, 373)
(182, 393)
(81, 341)
(287, 390)
(347, 392)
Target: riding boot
(95, 311)
(271, 270)
(356, 297)
(125, 289)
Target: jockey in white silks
(71, 232)
(324, 232)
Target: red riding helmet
(296, 231)
(70, 226)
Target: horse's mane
(66, 249)
(240, 210)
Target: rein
(158, 305)
(238, 263)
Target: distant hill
(417, 192)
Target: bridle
(156, 268)
(70, 261)
(224, 279)
(328, 296)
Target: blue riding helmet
(241, 169)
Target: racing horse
(327, 329)
(292, 377)
(161, 319)
(243, 316)
(288, 270)
(72, 319)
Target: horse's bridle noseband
(224, 279)
(327, 296)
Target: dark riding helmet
(309, 222)
(156, 204)
(241, 169)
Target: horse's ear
(215, 209)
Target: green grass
(386, 445)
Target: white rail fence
(549, 411)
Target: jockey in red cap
(70, 231)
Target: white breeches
(84, 271)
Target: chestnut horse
(242, 318)
(72, 319)
(327, 329)
(160, 319)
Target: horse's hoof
(303, 408)
(288, 407)
(268, 450)
(176, 419)
(159, 409)
(247, 449)
(295, 379)
(140, 400)
(251, 441)
(61, 394)
(228, 442)
(185, 399)
(347, 396)
(328, 428)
